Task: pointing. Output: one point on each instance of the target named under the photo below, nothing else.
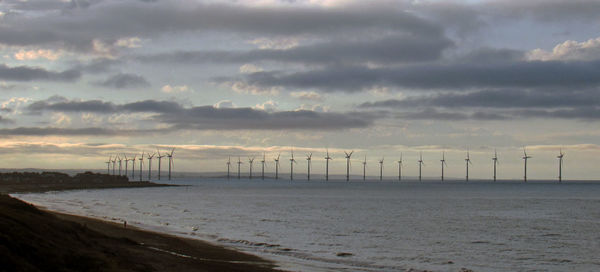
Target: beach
(35, 239)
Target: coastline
(37, 239)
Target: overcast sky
(83, 80)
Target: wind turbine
(381, 169)
(171, 161)
(364, 163)
(133, 166)
(120, 164)
(263, 166)
(228, 165)
(150, 165)
(108, 164)
(348, 155)
(525, 158)
(251, 161)
(126, 162)
(495, 159)
(141, 165)
(467, 162)
(443, 160)
(308, 163)
(277, 166)
(239, 163)
(560, 163)
(421, 163)
(400, 168)
(292, 161)
(114, 161)
(327, 158)
(160, 156)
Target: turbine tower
(277, 166)
(560, 164)
(443, 160)
(400, 168)
(150, 165)
(133, 166)
(171, 161)
(239, 163)
(251, 162)
(495, 159)
(364, 163)
(308, 163)
(327, 158)
(120, 164)
(228, 165)
(421, 163)
(348, 155)
(126, 162)
(160, 156)
(381, 169)
(525, 158)
(263, 166)
(108, 165)
(114, 161)
(292, 161)
(141, 165)
(467, 162)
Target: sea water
(368, 226)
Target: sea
(367, 226)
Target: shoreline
(129, 248)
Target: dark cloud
(4, 120)
(26, 73)
(90, 131)
(456, 76)
(110, 20)
(209, 117)
(390, 49)
(510, 98)
(123, 81)
(433, 114)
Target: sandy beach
(37, 240)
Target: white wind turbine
(251, 162)
(400, 168)
(292, 161)
(150, 165)
(114, 162)
(443, 160)
(327, 158)
(108, 165)
(348, 155)
(560, 164)
(239, 163)
(126, 163)
(171, 161)
(364, 163)
(160, 156)
(141, 165)
(421, 163)
(120, 164)
(228, 166)
(381, 168)
(263, 167)
(496, 162)
(308, 163)
(277, 166)
(133, 166)
(525, 158)
(467, 162)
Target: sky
(84, 80)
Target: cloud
(224, 104)
(268, 106)
(462, 76)
(27, 73)
(175, 89)
(250, 68)
(304, 95)
(569, 51)
(36, 54)
(123, 81)
(89, 131)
